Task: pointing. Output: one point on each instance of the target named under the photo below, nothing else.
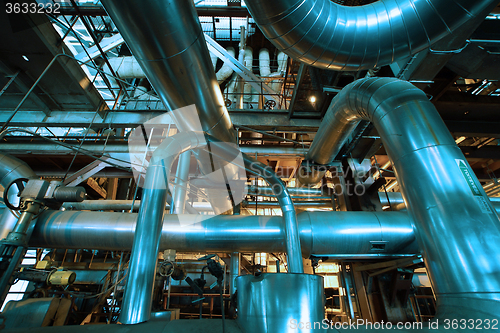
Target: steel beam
(106, 45)
(134, 118)
(298, 82)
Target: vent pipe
(327, 35)
(456, 225)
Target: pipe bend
(228, 152)
(443, 195)
(327, 35)
(12, 168)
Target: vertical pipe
(241, 59)
(456, 225)
(234, 271)
(136, 304)
(347, 287)
(181, 183)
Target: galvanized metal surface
(181, 183)
(327, 35)
(174, 56)
(279, 302)
(136, 304)
(456, 225)
(321, 233)
(11, 169)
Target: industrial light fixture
(312, 99)
(460, 139)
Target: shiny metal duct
(234, 272)
(280, 302)
(349, 234)
(293, 250)
(11, 169)
(455, 223)
(327, 35)
(167, 41)
(136, 304)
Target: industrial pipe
(456, 225)
(234, 271)
(175, 47)
(350, 234)
(397, 203)
(136, 305)
(181, 183)
(225, 71)
(327, 35)
(293, 250)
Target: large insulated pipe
(136, 305)
(327, 35)
(456, 225)
(167, 41)
(11, 169)
(225, 71)
(348, 234)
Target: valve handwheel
(20, 183)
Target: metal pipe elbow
(331, 36)
(12, 168)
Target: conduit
(293, 249)
(456, 225)
(352, 234)
(327, 35)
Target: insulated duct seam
(331, 36)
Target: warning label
(467, 173)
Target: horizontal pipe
(198, 206)
(321, 233)
(397, 202)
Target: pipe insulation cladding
(167, 41)
(11, 169)
(327, 35)
(356, 234)
(455, 223)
